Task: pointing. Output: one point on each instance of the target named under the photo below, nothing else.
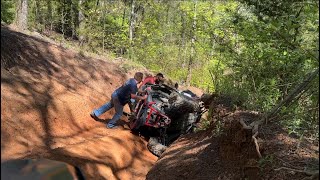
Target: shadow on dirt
(47, 95)
(39, 169)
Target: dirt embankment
(47, 93)
(208, 155)
(227, 151)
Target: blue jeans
(114, 102)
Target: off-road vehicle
(165, 115)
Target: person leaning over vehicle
(157, 79)
(119, 98)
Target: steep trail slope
(47, 93)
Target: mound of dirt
(47, 93)
(226, 151)
(206, 155)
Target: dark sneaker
(111, 126)
(94, 116)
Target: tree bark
(183, 36)
(104, 26)
(22, 14)
(123, 15)
(193, 39)
(49, 15)
(132, 19)
(74, 19)
(81, 24)
(131, 27)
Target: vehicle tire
(180, 105)
(155, 147)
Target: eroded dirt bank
(47, 93)
(206, 155)
(226, 151)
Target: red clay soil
(47, 93)
(231, 154)
(205, 155)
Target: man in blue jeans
(119, 98)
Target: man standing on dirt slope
(119, 98)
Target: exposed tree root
(312, 174)
(244, 125)
(256, 143)
(254, 127)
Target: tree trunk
(123, 15)
(36, 12)
(192, 53)
(131, 27)
(80, 14)
(183, 19)
(132, 19)
(22, 14)
(81, 24)
(75, 19)
(49, 15)
(104, 25)
(62, 21)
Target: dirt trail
(47, 93)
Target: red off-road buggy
(165, 115)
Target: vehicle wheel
(180, 105)
(155, 147)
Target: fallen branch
(297, 90)
(293, 94)
(284, 162)
(310, 173)
(290, 169)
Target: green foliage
(255, 51)
(7, 11)
(127, 66)
(302, 116)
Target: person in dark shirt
(119, 98)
